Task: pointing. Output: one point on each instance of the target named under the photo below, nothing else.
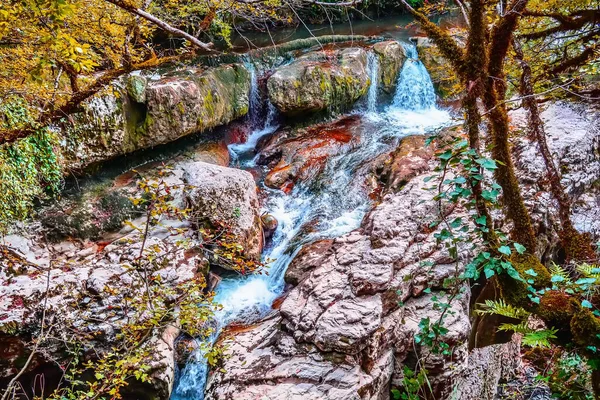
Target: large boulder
(391, 59)
(318, 81)
(141, 112)
(226, 195)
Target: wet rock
(163, 110)
(318, 81)
(269, 225)
(225, 195)
(211, 152)
(308, 258)
(410, 159)
(350, 321)
(391, 59)
(300, 155)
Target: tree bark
(577, 246)
(494, 94)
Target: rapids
(333, 203)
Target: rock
(87, 296)
(308, 258)
(315, 82)
(269, 225)
(89, 215)
(348, 326)
(226, 195)
(211, 152)
(391, 59)
(486, 368)
(573, 136)
(299, 155)
(136, 88)
(410, 159)
(267, 363)
(131, 116)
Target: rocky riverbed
(356, 263)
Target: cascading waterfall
(373, 69)
(333, 203)
(414, 104)
(253, 96)
(242, 152)
(415, 90)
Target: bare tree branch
(463, 10)
(161, 24)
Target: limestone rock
(391, 59)
(298, 155)
(408, 160)
(343, 331)
(316, 82)
(142, 112)
(227, 195)
(308, 258)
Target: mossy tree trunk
(577, 246)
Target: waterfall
(253, 96)
(373, 70)
(332, 204)
(244, 152)
(415, 90)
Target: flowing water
(373, 70)
(332, 204)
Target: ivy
(29, 168)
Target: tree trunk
(577, 246)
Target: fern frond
(539, 338)
(589, 270)
(557, 270)
(517, 328)
(500, 307)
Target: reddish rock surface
(302, 154)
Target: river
(333, 203)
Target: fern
(589, 270)
(539, 338)
(560, 275)
(521, 327)
(499, 307)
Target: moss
(577, 246)
(539, 357)
(584, 327)
(514, 291)
(557, 308)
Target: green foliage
(539, 338)
(29, 168)
(500, 307)
(412, 385)
(568, 377)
